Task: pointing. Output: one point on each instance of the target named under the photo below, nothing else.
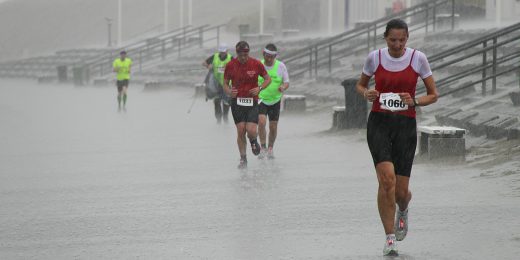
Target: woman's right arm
(362, 88)
(362, 85)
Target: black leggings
(392, 138)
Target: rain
(85, 175)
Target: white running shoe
(243, 164)
(270, 154)
(390, 248)
(263, 153)
(401, 224)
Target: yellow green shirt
(124, 68)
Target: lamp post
(498, 13)
(165, 16)
(119, 22)
(330, 17)
(190, 12)
(261, 17)
(109, 25)
(181, 13)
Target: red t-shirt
(244, 77)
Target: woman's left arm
(431, 93)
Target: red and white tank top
(388, 82)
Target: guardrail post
(201, 35)
(452, 15)
(427, 12)
(368, 39)
(163, 50)
(310, 62)
(330, 58)
(316, 62)
(184, 36)
(434, 18)
(484, 61)
(110, 60)
(494, 82)
(218, 35)
(179, 42)
(375, 36)
(140, 60)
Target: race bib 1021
(245, 102)
(392, 101)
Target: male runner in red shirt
(243, 73)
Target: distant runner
(391, 127)
(270, 99)
(243, 73)
(217, 63)
(122, 67)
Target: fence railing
(158, 48)
(483, 59)
(324, 53)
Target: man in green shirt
(217, 63)
(270, 98)
(122, 67)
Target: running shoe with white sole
(255, 146)
(390, 248)
(263, 153)
(270, 153)
(401, 224)
(242, 164)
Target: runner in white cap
(270, 99)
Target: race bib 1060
(245, 102)
(392, 101)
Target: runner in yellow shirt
(122, 67)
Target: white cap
(222, 47)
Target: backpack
(211, 86)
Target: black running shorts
(244, 114)
(122, 83)
(272, 111)
(392, 138)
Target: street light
(190, 12)
(181, 13)
(330, 17)
(109, 24)
(165, 28)
(119, 22)
(261, 17)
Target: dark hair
(242, 45)
(271, 47)
(122, 52)
(396, 24)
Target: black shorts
(392, 138)
(122, 83)
(272, 111)
(244, 114)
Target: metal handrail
(489, 43)
(468, 72)
(312, 51)
(475, 42)
(494, 76)
(159, 48)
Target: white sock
(390, 237)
